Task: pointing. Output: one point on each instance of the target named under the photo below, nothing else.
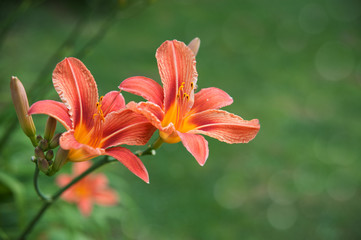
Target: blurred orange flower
(92, 189)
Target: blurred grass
(295, 66)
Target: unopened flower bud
(49, 155)
(54, 142)
(43, 165)
(194, 45)
(50, 128)
(43, 144)
(39, 153)
(60, 160)
(21, 104)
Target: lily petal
(197, 145)
(80, 167)
(151, 111)
(210, 98)
(63, 179)
(128, 159)
(177, 64)
(78, 151)
(112, 101)
(145, 87)
(224, 126)
(106, 197)
(126, 127)
(85, 206)
(194, 45)
(54, 109)
(77, 89)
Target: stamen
(192, 85)
(99, 110)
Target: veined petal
(126, 127)
(78, 151)
(224, 126)
(145, 87)
(210, 98)
(197, 145)
(177, 66)
(77, 89)
(54, 109)
(112, 101)
(128, 159)
(151, 111)
(155, 115)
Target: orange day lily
(92, 189)
(178, 112)
(94, 127)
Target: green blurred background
(294, 65)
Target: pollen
(99, 109)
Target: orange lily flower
(94, 127)
(178, 112)
(92, 189)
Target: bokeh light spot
(309, 180)
(290, 37)
(313, 18)
(334, 61)
(281, 217)
(243, 33)
(341, 186)
(281, 188)
(229, 192)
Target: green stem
(151, 149)
(36, 185)
(49, 201)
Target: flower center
(93, 136)
(177, 113)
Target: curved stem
(36, 185)
(49, 201)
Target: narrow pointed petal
(128, 159)
(106, 197)
(126, 127)
(100, 181)
(194, 45)
(176, 63)
(63, 179)
(145, 87)
(197, 145)
(210, 98)
(224, 126)
(85, 206)
(112, 101)
(54, 109)
(77, 89)
(77, 151)
(80, 167)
